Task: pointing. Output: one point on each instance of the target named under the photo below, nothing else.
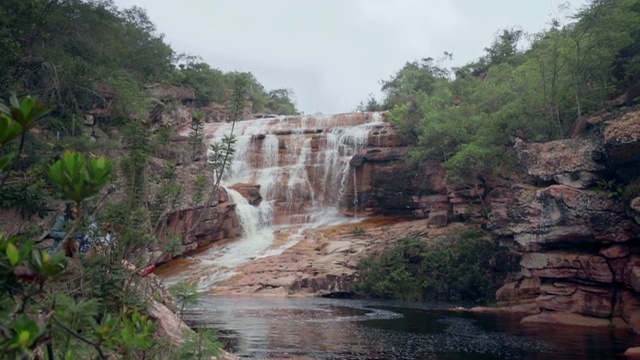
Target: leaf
(9, 129)
(24, 338)
(13, 254)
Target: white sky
(332, 53)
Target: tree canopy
(80, 54)
(534, 92)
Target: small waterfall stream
(301, 164)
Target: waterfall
(301, 164)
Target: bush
(460, 267)
(28, 197)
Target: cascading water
(302, 166)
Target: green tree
(196, 134)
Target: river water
(316, 328)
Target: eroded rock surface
(325, 261)
(579, 240)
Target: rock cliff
(565, 214)
(577, 232)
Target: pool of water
(315, 328)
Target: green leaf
(24, 338)
(13, 254)
(9, 129)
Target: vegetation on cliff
(460, 267)
(531, 86)
(86, 304)
(80, 56)
(94, 69)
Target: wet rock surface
(325, 261)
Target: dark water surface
(314, 328)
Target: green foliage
(16, 118)
(209, 84)
(28, 197)
(80, 178)
(200, 184)
(200, 345)
(371, 105)
(86, 50)
(167, 199)
(609, 188)
(358, 231)
(137, 139)
(23, 337)
(196, 136)
(163, 137)
(462, 267)
(280, 102)
(220, 156)
(393, 274)
(534, 93)
(185, 294)
(173, 245)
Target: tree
(280, 102)
(196, 134)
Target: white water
(302, 167)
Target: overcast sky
(332, 53)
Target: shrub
(459, 267)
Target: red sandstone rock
(568, 265)
(579, 299)
(568, 161)
(627, 306)
(632, 353)
(615, 251)
(559, 318)
(560, 213)
(251, 192)
(527, 288)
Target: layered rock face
(578, 237)
(201, 226)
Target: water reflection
(261, 328)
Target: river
(318, 328)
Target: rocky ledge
(325, 261)
(577, 233)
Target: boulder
(168, 324)
(517, 291)
(205, 224)
(251, 192)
